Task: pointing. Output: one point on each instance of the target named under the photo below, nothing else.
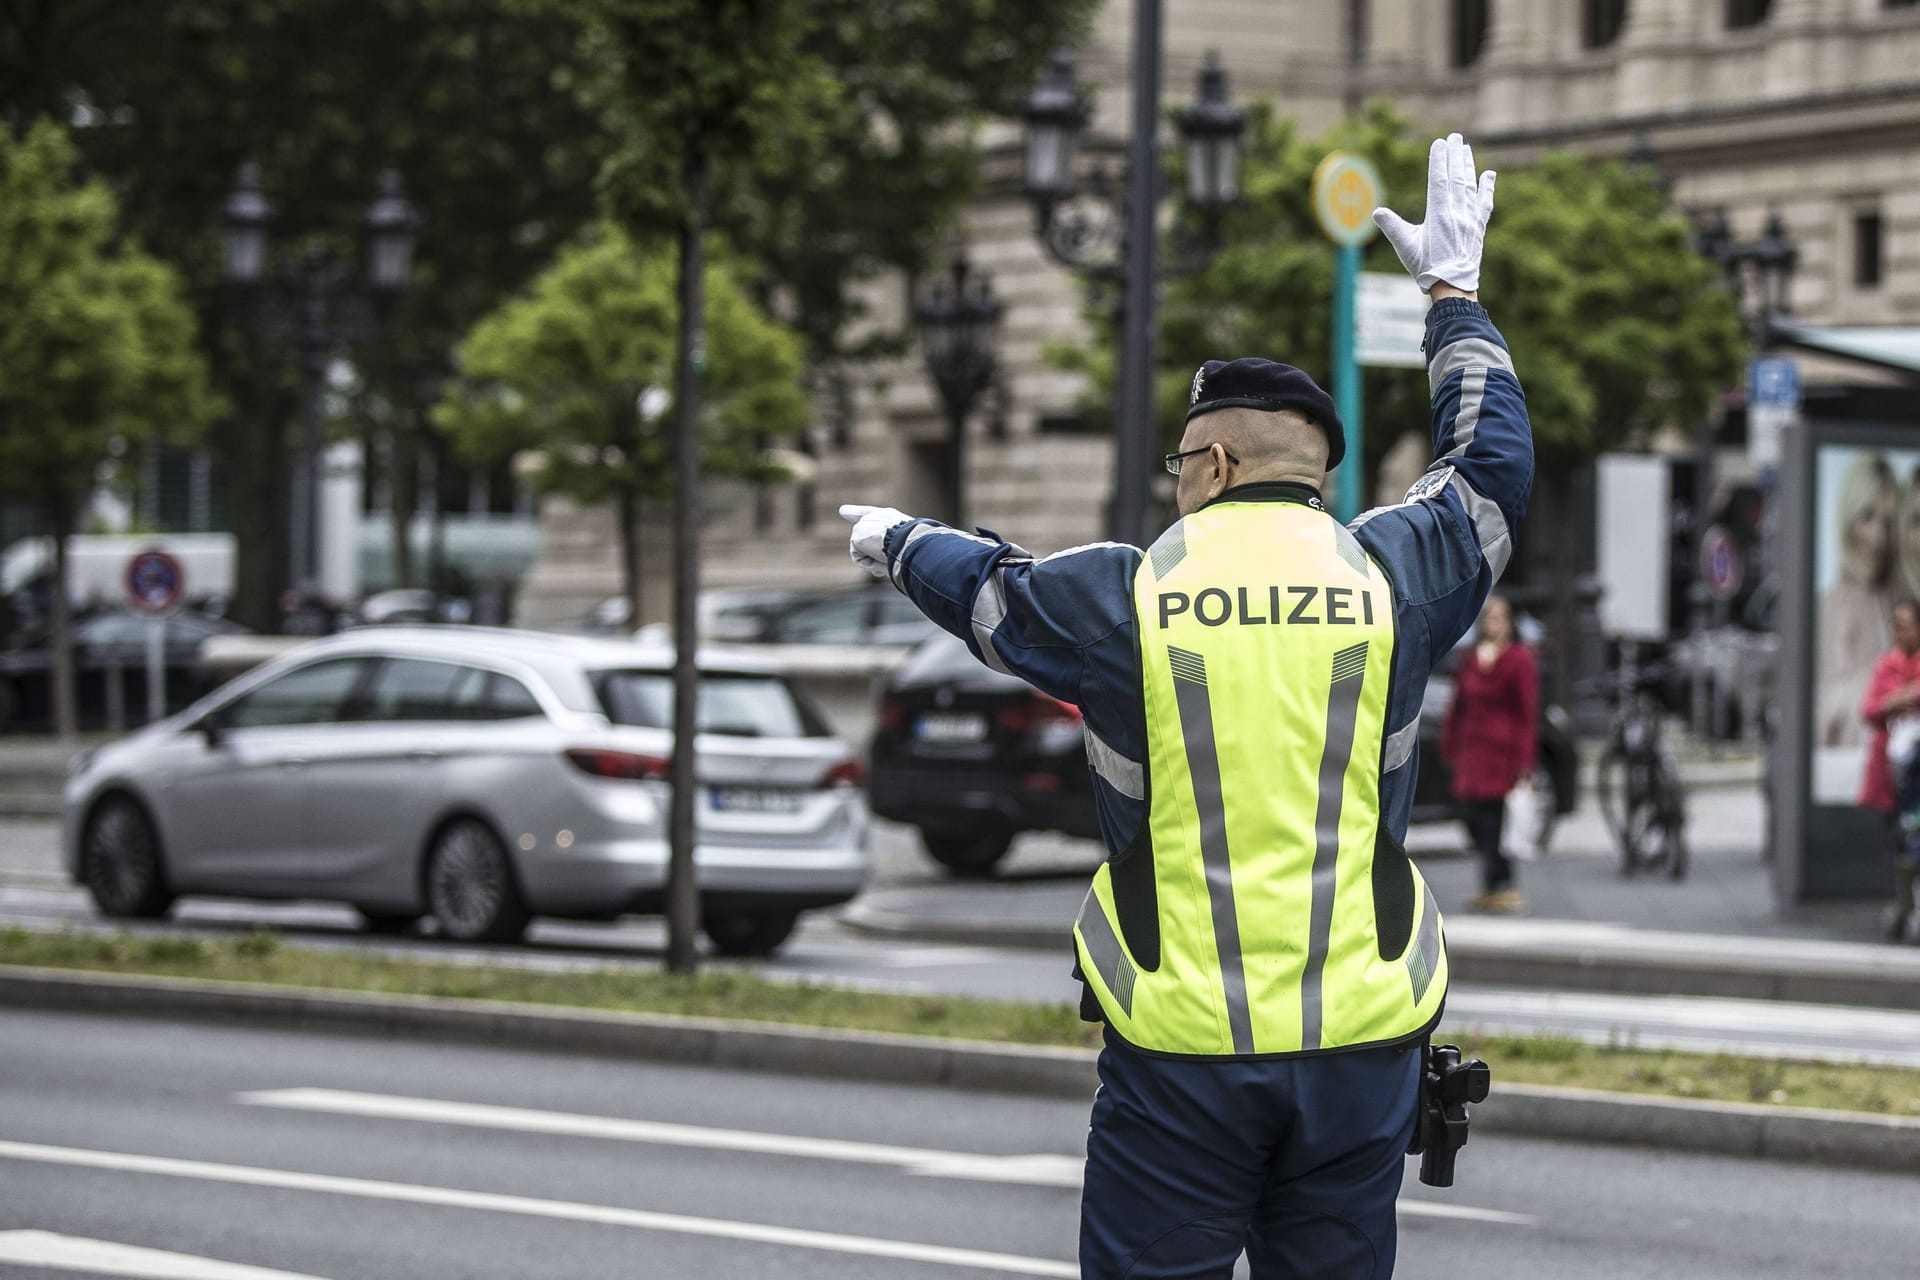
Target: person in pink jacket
(1893, 696)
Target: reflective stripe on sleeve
(1128, 777)
(1489, 525)
(989, 611)
(1464, 354)
(1399, 746)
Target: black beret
(1253, 383)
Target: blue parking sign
(1773, 380)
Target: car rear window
(746, 706)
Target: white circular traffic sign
(155, 582)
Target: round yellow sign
(1346, 191)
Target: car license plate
(951, 727)
(755, 800)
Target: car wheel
(388, 922)
(470, 888)
(748, 933)
(967, 853)
(120, 861)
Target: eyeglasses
(1174, 460)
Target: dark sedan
(972, 758)
(108, 647)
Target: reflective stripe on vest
(1266, 644)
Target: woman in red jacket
(1893, 694)
(1490, 741)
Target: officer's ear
(1222, 462)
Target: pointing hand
(868, 543)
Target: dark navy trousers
(1297, 1161)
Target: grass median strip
(260, 957)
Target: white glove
(1446, 247)
(868, 545)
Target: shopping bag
(1522, 826)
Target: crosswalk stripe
(606, 1215)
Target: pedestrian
(1490, 741)
(1265, 958)
(1891, 786)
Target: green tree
(96, 346)
(473, 102)
(1616, 324)
(563, 369)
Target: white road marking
(604, 1215)
(103, 1257)
(1027, 1170)
(1023, 1170)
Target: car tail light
(847, 773)
(628, 765)
(1037, 712)
(893, 715)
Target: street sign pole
(1346, 191)
(156, 668)
(1346, 381)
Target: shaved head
(1282, 445)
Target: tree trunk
(254, 449)
(60, 524)
(403, 502)
(630, 556)
(683, 895)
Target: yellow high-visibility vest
(1265, 912)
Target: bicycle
(1641, 796)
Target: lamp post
(958, 320)
(1110, 236)
(247, 219)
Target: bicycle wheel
(1640, 836)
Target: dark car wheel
(967, 853)
(391, 923)
(748, 933)
(120, 861)
(470, 888)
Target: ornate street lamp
(390, 223)
(246, 218)
(1774, 258)
(243, 229)
(1211, 128)
(958, 321)
(1108, 234)
(1056, 117)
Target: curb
(1892, 984)
(1724, 1128)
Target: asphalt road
(33, 894)
(340, 1157)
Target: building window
(1601, 22)
(1899, 4)
(1742, 14)
(1868, 264)
(1469, 31)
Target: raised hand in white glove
(868, 545)
(1446, 247)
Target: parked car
(1556, 776)
(108, 646)
(732, 616)
(866, 615)
(481, 777)
(972, 758)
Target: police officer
(1265, 959)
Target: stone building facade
(1807, 107)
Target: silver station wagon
(479, 777)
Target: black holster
(1447, 1087)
